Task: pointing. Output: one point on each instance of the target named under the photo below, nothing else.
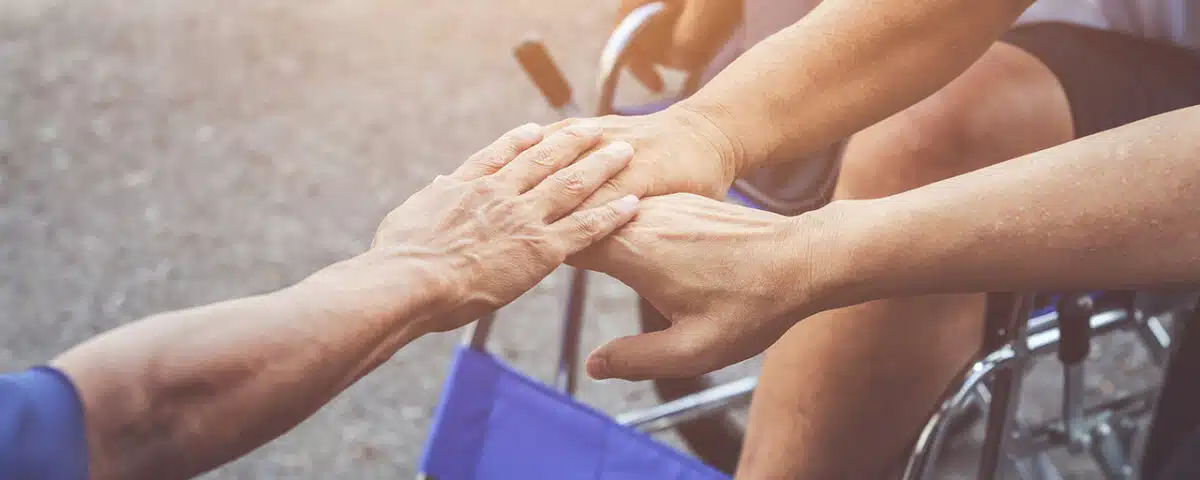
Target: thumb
(671, 353)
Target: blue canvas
(494, 423)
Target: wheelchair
(1019, 328)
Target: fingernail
(626, 204)
(529, 132)
(618, 149)
(596, 367)
(583, 129)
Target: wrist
(743, 149)
(402, 291)
(713, 126)
(847, 254)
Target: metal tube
(929, 443)
(1110, 453)
(1155, 338)
(568, 358)
(476, 334)
(1006, 390)
(669, 414)
(1072, 407)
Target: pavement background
(158, 154)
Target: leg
(843, 393)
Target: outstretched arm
(183, 392)
(1118, 209)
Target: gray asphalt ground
(157, 154)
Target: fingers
(580, 229)
(670, 353)
(552, 154)
(495, 156)
(569, 187)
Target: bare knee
(1005, 105)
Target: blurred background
(158, 154)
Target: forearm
(1114, 210)
(180, 393)
(845, 66)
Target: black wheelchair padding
(1173, 446)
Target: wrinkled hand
(678, 151)
(686, 36)
(500, 223)
(729, 279)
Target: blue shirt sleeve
(41, 427)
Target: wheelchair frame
(1014, 336)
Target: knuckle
(589, 224)
(544, 157)
(570, 181)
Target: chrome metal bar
(929, 444)
(1006, 389)
(667, 415)
(1036, 465)
(1050, 434)
(1110, 454)
(1042, 468)
(612, 56)
(476, 334)
(568, 353)
(1072, 407)
(1155, 337)
(1075, 330)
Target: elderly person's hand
(503, 221)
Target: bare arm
(180, 393)
(1114, 210)
(843, 67)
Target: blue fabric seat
(493, 423)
